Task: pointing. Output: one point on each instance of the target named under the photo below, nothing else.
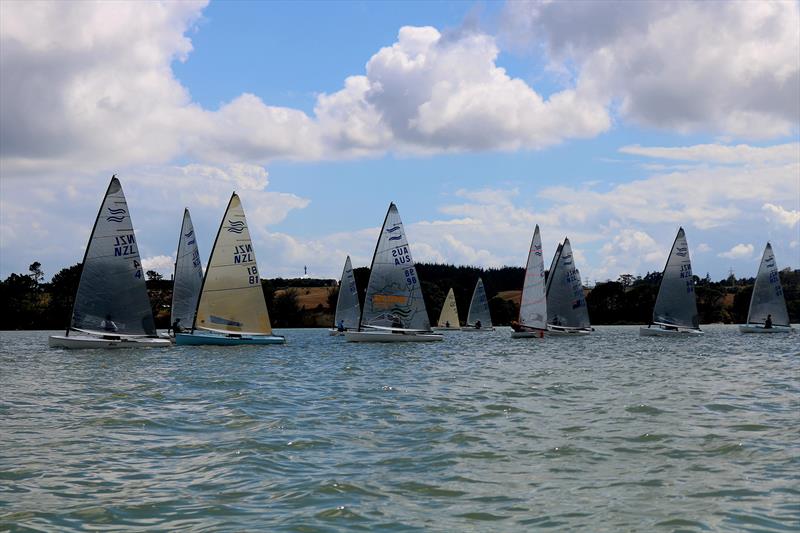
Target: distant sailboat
(767, 299)
(394, 310)
(348, 311)
(532, 321)
(448, 318)
(111, 309)
(188, 277)
(567, 313)
(479, 318)
(675, 312)
(231, 309)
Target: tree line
(28, 302)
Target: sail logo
(116, 215)
(236, 227)
(395, 228)
(243, 253)
(124, 245)
(537, 250)
(682, 252)
(401, 255)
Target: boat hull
(528, 334)
(201, 339)
(388, 336)
(757, 328)
(82, 342)
(562, 332)
(657, 331)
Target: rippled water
(612, 432)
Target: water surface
(612, 432)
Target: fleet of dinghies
(226, 306)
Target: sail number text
(252, 272)
(124, 245)
(242, 253)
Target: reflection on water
(606, 433)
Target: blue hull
(198, 339)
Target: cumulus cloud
(724, 67)
(740, 251)
(720, 153)
(785, 217)
(163, 264)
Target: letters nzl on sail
(242, 253)
(124, 245)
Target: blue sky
(611, 123)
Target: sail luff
(188, 275)
(533, 301)
(479, 307)
(676, 303)
(449, 314)
(372, 263)
(768, 297)
(348, 310)
(566, 305)
(553, 266)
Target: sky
(611, 123)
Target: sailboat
(188, 277)
(532, 321)
(567, 313)
(767, 299)
(675, 312)
(394, 310)
(448, 318)
(111, 309)
(478, 317)
(348, 310)
(231, 309)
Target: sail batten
(768, 297)
(479, 307)
(231, 299)
(188, 276)
(533, 302)
(348, 309)
(112, 294)
(676, 303)
(449, 315)
(394, 294)
(566, 304)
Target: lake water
(612, 432)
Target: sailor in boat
(108, 324)
(478, 324)
(768, 322)
(176, 326)
(340, 327)
(447, 323)
(397, 324)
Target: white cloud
(740, 251)
(720, 153)
(703, 248)
(163, 264)
(630, 250)
(785, 217)
(723, 67)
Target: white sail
(449, 315)
(394, 296)
(231, 300)
(533, 302)
(188, 278)
(348, 309)
(676, 304)
(768, 298)
(479, 307)
(112, 295)
(566, 305)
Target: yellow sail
(232, 300)
(449, 315)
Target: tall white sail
(533, 302)
(676, 304)
(768, 298)
(394, 296)
(479, 307)
(348, 309)
(188, 278)
(449, 315)
(112, 296)
(566, 305)
(231, 300)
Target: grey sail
(552, 268)
(566, 305)
(347, 308)
(676, 304)
(188, 278)
(479, 307)
(394, 296)
(768, 298)
(112, 296)
(533, 301)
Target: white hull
(82, 341)
(757, 328)
(658, 331)
(529, 334)
(567, 332)
(467, 328)
(388, 336)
